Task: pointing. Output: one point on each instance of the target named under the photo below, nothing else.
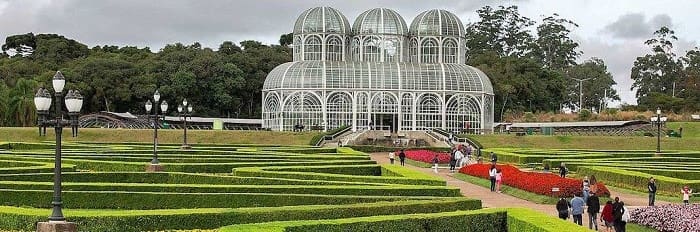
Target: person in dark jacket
(652, 191)
(494, 158)
(618, 210)
(563, 208)
(402, 157)
(563, 170)
(593, 204)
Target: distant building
(378, 74)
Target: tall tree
(597, 90)
(19, 45)
(659, 71)
(4, 103)
(554, 46)
(502, 30)
(690, 87)
(21, 104)
(286, 39)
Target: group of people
(613, 215)
(460, 156)
(496, 177)
(402, 157)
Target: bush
(584, 115)
(668, 217)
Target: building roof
(572, 124)
(322, 20)
(211, 120)
(380, 21)
(437, 23)
(346, 75)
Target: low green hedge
(637, 180)
(386, 190)
(13, 218)
(479, 220)
(261, 172)
(152, 200)
(373, 148)
(528, 220)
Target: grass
(30, 134)
(518, 193)
(659, 197)
(690, 129)
(631, 227)
(588, 142)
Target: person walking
(563, 208)
(593, 204)
(453, 160)
(624, 218)
(492, 177)
(586, 188)
(617, 211)
(652, 191)
(468, 150)
(402, 157)
(686, 194)
(577, 204)
(499, 178)
(436, 160)
(563, 170)
(494, 158)
(607, 216)
(391, 157)
(459, 156)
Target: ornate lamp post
(155, 166)
(74, 103)
(185, 111)
(658, 120)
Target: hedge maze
(233, 187)
(623, 168)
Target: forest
(532, 64)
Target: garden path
(497, 200)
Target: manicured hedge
(638, 180)
(151, 200)
(528, 220)
(13, 218)
(259, 172)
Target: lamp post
(155, 166)
(74, 102)
(185, 111)
(658, 120)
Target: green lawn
(30, 134)
(690, 129)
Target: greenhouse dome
(378, 86)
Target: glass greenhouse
(379, 74)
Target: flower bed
(664, 218)
(426, 156)
(540, 183)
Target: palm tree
(21, 104)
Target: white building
(378, 74)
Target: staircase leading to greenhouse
(397, 139)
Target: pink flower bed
(426, 156)
(676, 218)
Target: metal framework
(368, 78)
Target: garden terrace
(623, 168)
(105, 188)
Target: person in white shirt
(492, 176)
(391, 157)
(460, 158)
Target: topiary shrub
(584, 115)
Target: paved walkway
(497, 200)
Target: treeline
(531, 71)
(220, 83)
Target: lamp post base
(154, 168)
(185, 147)
(56, 226)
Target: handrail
(471, 142)
(337, 133)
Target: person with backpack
(563, 208)
(402, 157)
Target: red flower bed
(427, 156)
(540, 183)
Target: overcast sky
(611, 30)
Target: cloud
(635, 25)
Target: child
(686, 194)
(499, 177)
(391, 157)
(435, 163)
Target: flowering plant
(664, 218)
(540, 183)
(427, 156)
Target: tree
(554, 46)
(596, 90)
(4, 103)
(503, 31)
(286, 39)
(21, 105)
(228, 48)
(20, 45)
(659, 71)
(690, 88)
